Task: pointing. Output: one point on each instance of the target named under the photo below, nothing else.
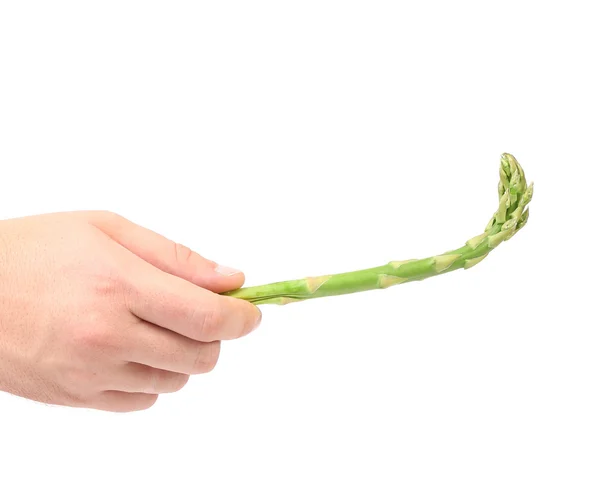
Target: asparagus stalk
(511, 216)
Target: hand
(98, 312)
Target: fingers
(184, 308)
(166, 255)
(117, 401)
(161, 363)
(154, 346)
(134, 378)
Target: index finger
(180, 306)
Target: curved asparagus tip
(511, 216)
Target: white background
(300, 138)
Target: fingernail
(226, 271)
(258, 320)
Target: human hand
(98, 312)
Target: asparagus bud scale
(511, 216)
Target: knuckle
(148, 401)
(103, 218)
(119, 402)
(81, 380)
(207, 357)
(107, 284)
(163, 382)
(150, 379)
(183, 254)
(95, 337)
(139, 402)
(110, 216)
(211, 321)
(178, 382)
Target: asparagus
(510, 218)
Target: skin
(98, 312)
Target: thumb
(166, 255)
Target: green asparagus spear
(511, 216)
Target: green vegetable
(511, 216)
